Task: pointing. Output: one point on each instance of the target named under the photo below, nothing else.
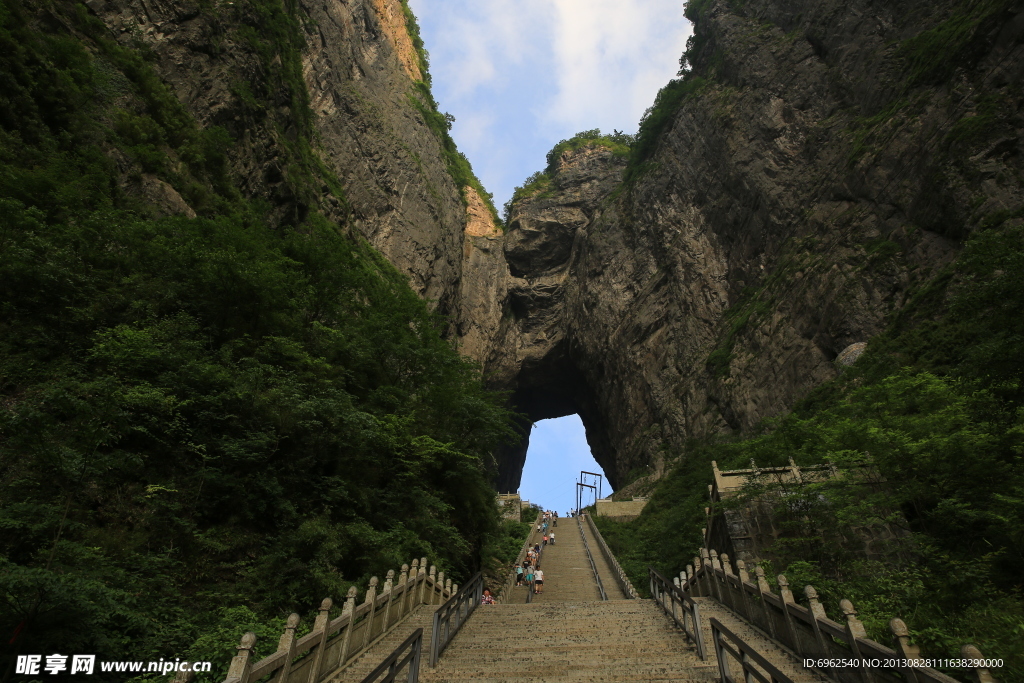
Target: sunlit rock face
(798, 196)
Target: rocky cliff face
(327, 124)
(823, 162)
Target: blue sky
(558, 451)
(520, 75)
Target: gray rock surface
(816, 176)
(359, 69)
(796, 200)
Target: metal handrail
(743, 654)
(600, 586)
(395, 661)
(457, 609)
(662, 587)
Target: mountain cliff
(238, 245)
(813, 168)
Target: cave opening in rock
(549, 386)
(557, 452)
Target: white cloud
(519, 75)
(611, 58)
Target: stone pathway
(568, 576)
(570, 642)
(569, 635)
(781, 658)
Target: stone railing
(620, 575)
(808, 631)
(332, 643)
(505, 591)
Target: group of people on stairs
(529, 572)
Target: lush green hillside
(204, 422)
(937, 405)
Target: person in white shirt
(538, 579)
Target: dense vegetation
(936, 405)
(205, 423)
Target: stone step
(571, 642)
(787, 662)
(587, 677)
(567, 635)
(361, 666)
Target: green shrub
(619, 143)
(934, 54)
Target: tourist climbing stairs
(569, 576)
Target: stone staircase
(570, 642)
(780, 658)
(569, 635)
(568, 576)
(360, 667)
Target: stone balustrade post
(432, 577)
(726, 583)
(348, 610)
(981, 674)
(812, 599)
(287, 644)
(741, 570)
(422, 581)
(762, 583)
(241, 664)
(784, 592)
(817, 612)
(705, 565)
(763, 589)
(854, 630)
(403, 583)
(907, 651)
(787, 599)
(389, 585)
(323, 618)
(744, 578)
(715, 562)
(713, 570)
(371, 600)
(447, 588)
(410, 586)
(440, 587)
